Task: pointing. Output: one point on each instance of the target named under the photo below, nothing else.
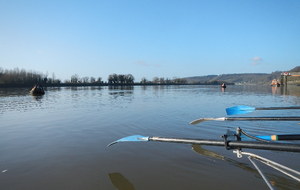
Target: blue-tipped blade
(239, 110)
(133, 138)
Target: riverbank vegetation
(22, 78)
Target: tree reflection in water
(120, 182)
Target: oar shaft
(262, 118)
(279, 108)
(188, 141)
(232, 144)
(246, 119)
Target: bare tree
(121, 79)
(129, 79)
(155, 80)
(99, 80)
(92, 80)
(75, 78)
(85, 79)
(113, 78)
(144, 80)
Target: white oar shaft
(246, 119)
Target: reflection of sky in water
(61, 138)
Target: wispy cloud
(256, 60)
(145, 64)
(141, 63)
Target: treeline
(162, 80)
(17, 76)
(76, 79)
(124, 79)
(120, 79)
(21, 77)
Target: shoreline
(99, 84)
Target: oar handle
(279, 108)
(280, 137)
(262, 118)
(288, 137)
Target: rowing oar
(279, 137)
(248, 109)
(246, 119)
(227, 144)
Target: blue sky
(149, 38)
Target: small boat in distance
(37, 90)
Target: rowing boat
(37, 90)
(236, 141)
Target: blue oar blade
(239, 110)
(133, 138)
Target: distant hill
(296, 69)
(242, 78)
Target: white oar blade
(239, 110)
(197, 121)
(133, 138)
(206, 119)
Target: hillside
(296, 69)
(241, 78)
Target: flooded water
(59, 141)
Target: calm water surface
(58, 141)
